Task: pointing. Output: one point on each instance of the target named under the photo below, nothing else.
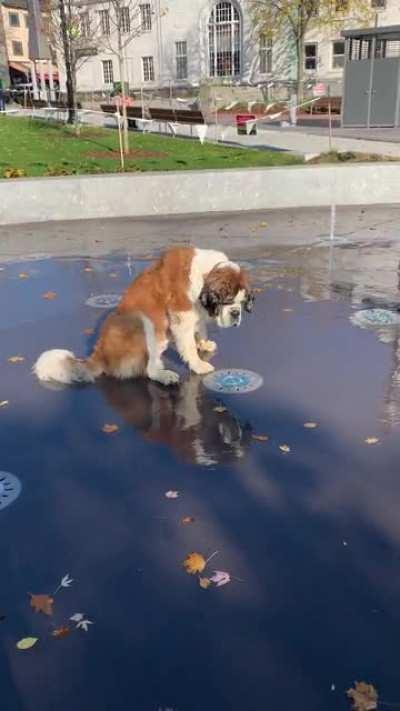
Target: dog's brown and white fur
(170, 301)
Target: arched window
(224, 39)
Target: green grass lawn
(42, 148)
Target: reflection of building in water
(183, 418)
(391, 401)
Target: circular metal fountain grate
(10, 489)
(234, 380)
(376, 317)
(104, 301)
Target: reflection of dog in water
(182, 418)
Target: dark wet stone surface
(313, 535)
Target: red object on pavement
(241, 120)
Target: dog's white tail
(63, 367)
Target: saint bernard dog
(170, 301)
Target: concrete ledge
(191, 192)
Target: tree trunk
(67, 62)
(123, 96)
(300, 69)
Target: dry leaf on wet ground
(284, 448)
(4, 403)
(16, 359)
(88, 331)
(60, 632)
(172, 494)
(42, 603)
(27, 642)
(194, 563)
(204, 583)
(109, 429)
(220, 409)
(186, 520)
(363, 696)
(260, 437)
(371, 440)
(49, 295)
(220, 577)
(310, 425)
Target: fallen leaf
(113, 275)
(364, 696)
(263, 224)
(109, 429)
(260, 438)
(311, 425)
(88, 331)
(77, 617)
(27, 642)
(16, 359)
(194, 563)
(220, 577)
(204, 583)
(220, 409)
(23, 275)
(187, 520)
(171, 494)
(84, 625)
(288, 310)
(3, 403)
(42, 603)
(258, 290)
(284, 448)
(60, 632)
(88, 269)
(371, 440)
(66, 581)
(49, 295)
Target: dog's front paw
(207, 346)
(166, 377)
(202, 368)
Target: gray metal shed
(371, 95)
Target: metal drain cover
(10, 489)
(368, 318)
(104, 301)
(234, 380)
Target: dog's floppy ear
(249, 301)
(211, 301)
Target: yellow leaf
(371, 440)
(194, 563)
(311, 425)
(284, 448)
(16, 359)
(260, 438)
(27, 642)
(109, 429)
(204, 583)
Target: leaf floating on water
(77, 617)
(16, 359)
(194, 563)
(220, 409)
(364, 697)
(4, 403)
(49, 295)
(311, 425)
(66, 581)
(371, 440)
(42, 603)
(220, 577)
(187, 520)
(260, 437)
(88, 331)
(27, 642)
(109, 429)
(84, 625)
(284, 448)
(204, 583)
(60, 632)
(23, 275)
(172, 494)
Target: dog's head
(226, 293)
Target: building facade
(188, 42)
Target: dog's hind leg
(157, 343)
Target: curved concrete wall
(190, 192)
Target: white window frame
(104, 16)
(17, 54)
(125, 20)
(148, 69)
(181, 59)
(266, 55)
(225, 25)
(108, 71)
(146, 22)
(311, 44)
(13, 14)
(336, 56)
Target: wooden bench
(321, 106)
(167, 116)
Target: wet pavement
(310, 537)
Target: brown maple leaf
(364, 697)
(60, 632)
(42, 603)
(194, 563)
(49, 295)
